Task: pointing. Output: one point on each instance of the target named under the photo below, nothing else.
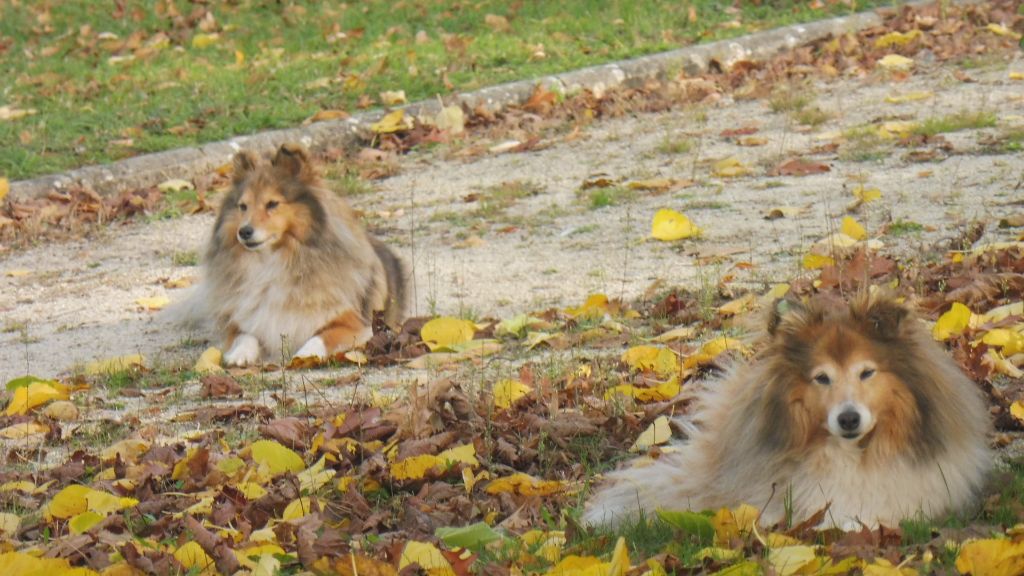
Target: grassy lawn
(89, 82)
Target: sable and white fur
(288, 265)
(856, 407)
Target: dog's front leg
(346, 331)
(244, 349)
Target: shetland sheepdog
(288, 264)
(854, 407)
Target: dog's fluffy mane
(754, 441)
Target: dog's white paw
(245, 351)
(313, 348)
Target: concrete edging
(187, 163)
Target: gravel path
(67, 303)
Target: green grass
(675, 145)
(812, 116)
(903, 227)
(109, 81)
(611, 196)
(964, 120)
(186, 258)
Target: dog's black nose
(849, 420)
(245, 232)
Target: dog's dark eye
(243, 207)
(867, 373)
(823, 379)
(272, 204)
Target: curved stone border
(187, 163)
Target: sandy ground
(77, 300)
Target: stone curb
(187, 163)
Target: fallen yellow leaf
(909, 97)
(669, 225)
(427, 556)
(35, 394)
(392, 97)
(441, 334)
(205, 40)
(738, 305)
(507, 392)
(816, 261)
(595, 306)
(23, 430)
(1016, 75)
(620, 559)
(9, 525)
(897, 39)
(451, 119)
(1000, 30)
(114, 365)
(895, 129)
(80, 523)
(711, 349)
(659, 432)
(660, 393)
(129, 449)
(730, 168)
(416, 467)
(174, 185)
(191, 556)
(681, 333)
(392, 122)
(61, 410)
(276, 457)
(153, 303)
(297, 509)
(524, 484)
(896, 62)
(853, 229)
(866, 195)
(953, 322)
(1017, 410)
(5, 187)
(22, 563)
(788, 560)
(661, 361)
(991, 557)
(209, 361)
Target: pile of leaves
(454, 478)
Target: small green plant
(185, 258)
(964, 120)
(863, 144)
(670, 145)
(812, 116)
(610, 196)
(903, 227)
(706, 205)
(790, 99)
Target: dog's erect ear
(293, 159)
(781, 308)
(881, 314)
(244, 162)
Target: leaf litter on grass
(329, 484)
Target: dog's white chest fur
(860, 493)
(273, 307)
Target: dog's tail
(191, 312)
(643, 488)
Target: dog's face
(271, 204)
(264, 217)
(839, 373)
